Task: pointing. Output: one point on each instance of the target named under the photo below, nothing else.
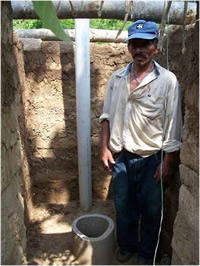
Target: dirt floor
(49, 235)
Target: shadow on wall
(49, 161)
(51, 123)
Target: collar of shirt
(126, 71)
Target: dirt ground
(49, 235)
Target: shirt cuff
(171, 145)
(104, 116)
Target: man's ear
(156, 50)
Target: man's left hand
(167, 167)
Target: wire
(163, 136)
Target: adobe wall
(13, 231)
(185, 242)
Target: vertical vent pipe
(82, 65)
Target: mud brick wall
(185, 240)
(177, 198)
(13, 231)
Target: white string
(163, 136)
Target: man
(141, 115)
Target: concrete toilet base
(93, 239)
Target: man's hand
(167, 167)
(106, 155)
(106, 158)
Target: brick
(31, 44)
(188, 207)
(189, 178)
(185, 242)
(190, 155)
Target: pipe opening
(92, 226)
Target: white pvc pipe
(82, 62)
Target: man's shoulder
(165, 72)
(120, 72)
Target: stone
(190, 155)
(189, 178)
(175, 259)
(31, 44)
(185, 243)
(188, 207)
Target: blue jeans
(137, 199)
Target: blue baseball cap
(142, 29)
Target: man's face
(142, 51)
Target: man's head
(142, 41)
